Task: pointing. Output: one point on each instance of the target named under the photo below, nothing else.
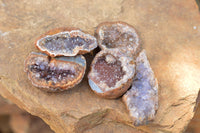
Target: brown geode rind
(66, 42)
(103, 69)
(117, 34)
(54, 74)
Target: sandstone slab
(168, 30)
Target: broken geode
(142, 99)
(111, 74)
(55, 74)
(66, 42)
(117, 35)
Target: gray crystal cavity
(142, 99)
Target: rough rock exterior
(169, 31)
(142, 99)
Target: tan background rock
(15, 120)
(169, 31)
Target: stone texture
(169, 31)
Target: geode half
(55, 74)
(111, 74)
(66, 42)
(142, 99)
(111, 35)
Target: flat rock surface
(169, 31)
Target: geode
(66, 42)
(142, 99)
(118, 34)
(54, 74)
(111, 74)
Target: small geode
(66, 42)
(111, 74)
(53, 74)
(117, 34)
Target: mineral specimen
(142, 99)
(54, 74)
(117, 35)
(111, 74)
(66, 42)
